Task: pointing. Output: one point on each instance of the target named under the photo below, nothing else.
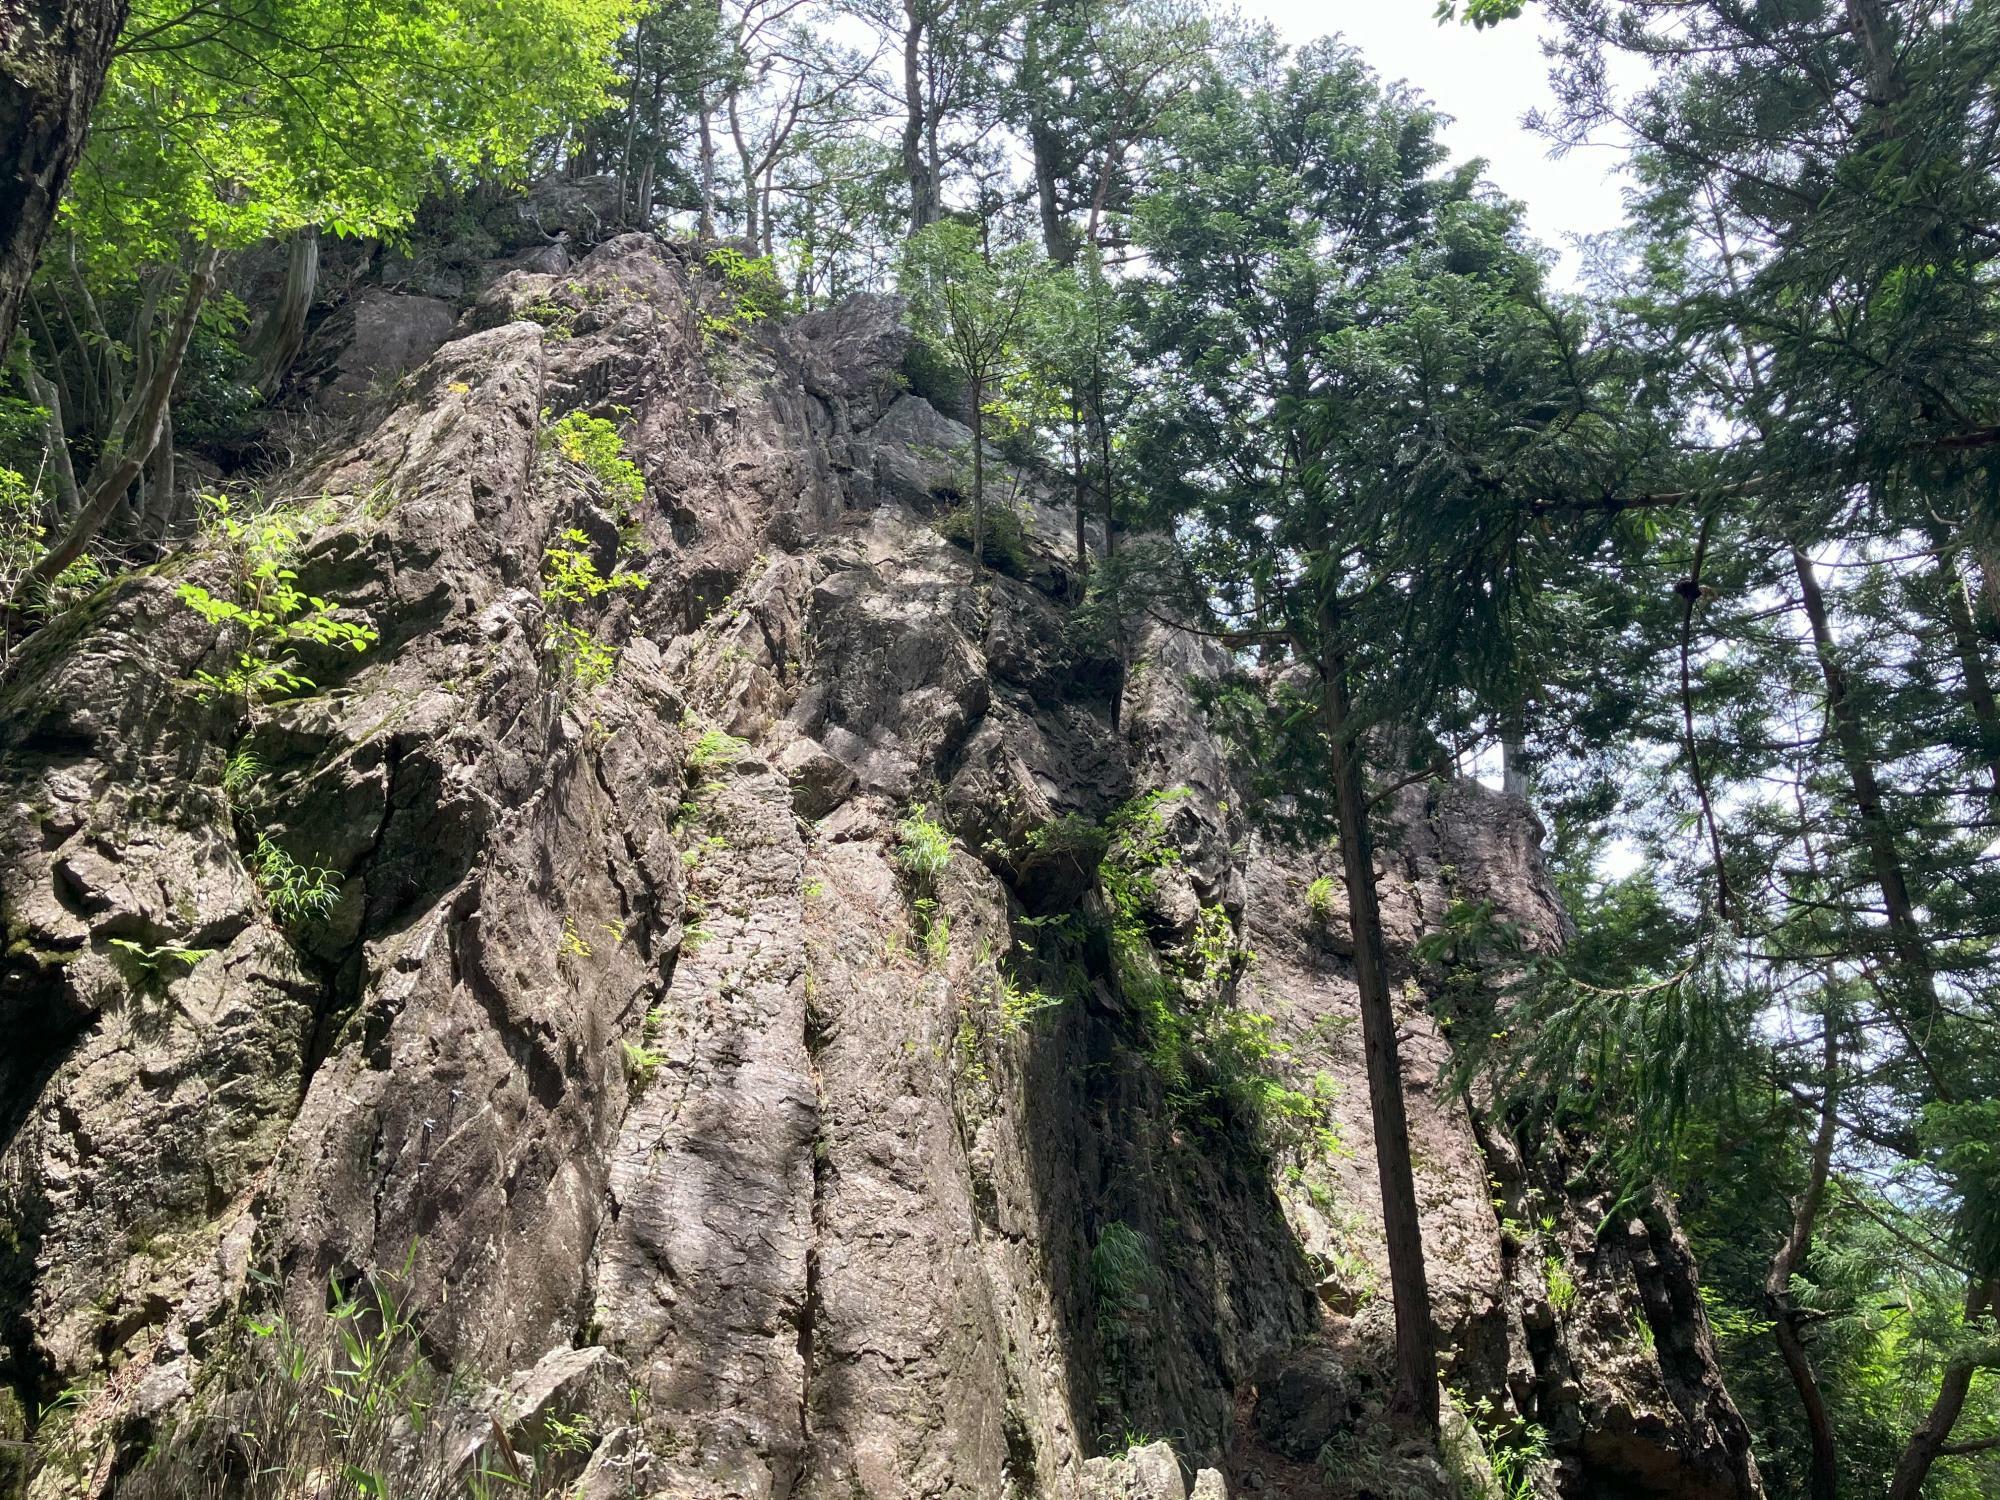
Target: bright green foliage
(751, 292)
(570, 580)
(974, 308)
(593, 443)
(933, 925)
(244, 124)
(1019, 1004)
(1561, 1285)
(714, 750)
(240, 773)
(923, 850)
(153, 964)
(923, 853)
(1320, 896)
(642, 1064)
(296, 893)
(1219, 1059)
(21, 530)
(270, 613)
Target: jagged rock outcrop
(623, 1030)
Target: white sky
(1485, 81)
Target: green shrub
(570, 580)
(642, 1063)
(1562, 1285)
(1319, 899)
(751, 292)
(923, 851)
(1006, 549)
(21, 529)
(1019, 1004)
(240, 773)
(714, 750)
(593, 444)
(269, 609)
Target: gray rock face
(622, 1026)
(366, 345)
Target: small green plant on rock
(1562, 1285)
(1319, 899)
(344, 1406)
(296, 893)
(923, 854)
(271, 613)
(923, 850)
(150, 967)
(570, 580)
(559, 321)
(1005, 545)
(593, 444)
(642, 1063)
(240, 773)
(713, 750)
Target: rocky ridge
(623, 1033)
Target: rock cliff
(629, 1042)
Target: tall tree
(976, 307)
(1355, 383)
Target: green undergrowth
(1005, 544)
(746, 291)
(341, 1405)
(1219, 1060)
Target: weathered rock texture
(623, 1018)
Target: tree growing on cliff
(221, 127)
(974, 306)
(1359, 389)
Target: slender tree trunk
(161, 506)
(916, 168)
(1044, 142)
(55, 437)
(1906, 937)
(1078, 490)
(747, 167)
(706, 228)
(1102, 427)
(1778, 1281)
(53, 58)
(283, 332)
(1928, 1441)
(128, 447)
(1416, 1396)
